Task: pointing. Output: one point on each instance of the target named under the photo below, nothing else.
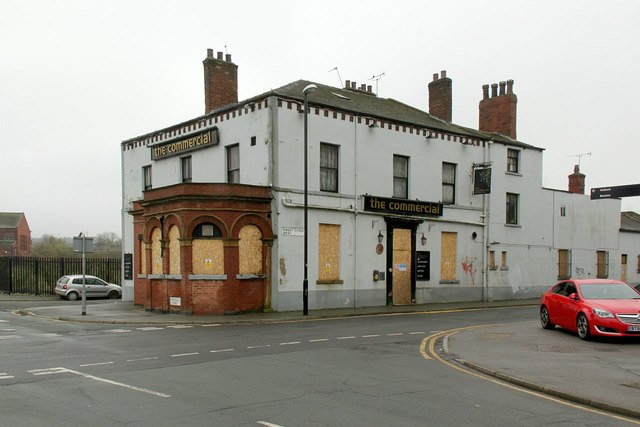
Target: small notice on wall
(208, 263)
(177, 301)
(401, 267)
(293, 231)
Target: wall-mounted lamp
(423, 240)
(373, 125)
(427, 134)
(380, 237)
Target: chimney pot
(369, 89)
(494, 89)
(354, 85)
(219, 55)
(485, 91)
(502, 87)
(435, 76)
(443, 74)
(347, 84)
(510, 86)
(209, 53)
(228, 57)
(363, 87)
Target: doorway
(401, 280)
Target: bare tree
(107, 244)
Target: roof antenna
(579, 156)
(225, 50)
(339, 78)
(376, 78)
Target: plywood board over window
(329, 254)
(208, 256)
(174, 250)
(156, 252)
(402, 268)
(448, 259)
(250, 248)
(143, 257)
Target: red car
(592, 307)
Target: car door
(571, 306)
(554, 303)
(98, 288)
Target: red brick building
(15, 235)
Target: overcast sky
(79, 77)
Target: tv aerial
(377, 77)
(579, 156)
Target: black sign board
(615, 192)
(402, 206)
(128, 266)
(482, 181)
(423, 260)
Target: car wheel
(544, 318)
(583, 327)
(113, 295)
(72, 296)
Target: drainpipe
(486, 208)
(355, 213)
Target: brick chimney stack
(498, 112)
(576, 181)
(440, 96)
(220, 81)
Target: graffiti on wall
(468, 268)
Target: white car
(70, 287)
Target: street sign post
(615, 192)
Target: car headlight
(602, 313)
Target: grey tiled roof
(9, 219)
(630, 221)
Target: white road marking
(61, 370)
(210, 325)
(4, 376)
(222, 351)
(52, 334)
(96, 364)
(346, 338)
(251, 347)
(184, 354)
(8, 330)
(150, 328)
(4, 321)
(143, 359)
(417, 333)
(289, 343)
(180, 326)
(397, 334)
(266, 424)
(370, 336)
(319, 340)
(117, 331)
(6, 337)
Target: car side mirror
(573, 296)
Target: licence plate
(634, 329)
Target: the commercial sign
(184, 145)
(615, 192)
(401, 206)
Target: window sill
(329, 282)
(449, 282)
(493, 268)
(513, 225)
(504, 268)
(165, 276)
(207, 277)
(513, 173)
(142, 276)
(249, 276)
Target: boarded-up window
(503, 260)
(208, 256)
(448, 259)
(492, 260)
(143, 257)
(602, 264)
(564, 264)
(328, 253)
(174, 250)
(156, 252)
(250, 248)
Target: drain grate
(556, 348)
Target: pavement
(602, 374)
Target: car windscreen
(607, 291)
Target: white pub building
(404, 207)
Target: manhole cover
(556, 348)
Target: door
(401, 264)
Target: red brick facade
(220, 81)
(498, 112)
(15, 235)
(440, 97)
(229, 207)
